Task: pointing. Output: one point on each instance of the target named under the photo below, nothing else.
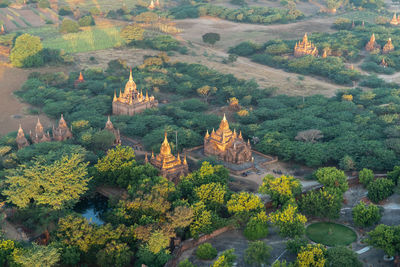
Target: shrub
(186, 263)
(86, 21)
(27, 51)
(211, 38)
(65, 11)
(226, 259)
(394, 175)
(44, 4)
(257, 227)
(294, 245)
(366, 176)
(257, 254)
(342, 257)
(206, 252)
(380, 189)
(365, 216)
(69, 26)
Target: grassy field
(331, 234)
(91, 39)
(102, 5)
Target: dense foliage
(27, 51)
(364, 216)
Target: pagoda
(305, 48)
(21, 139)
(40, 136)
(372, 45)
(388, 47)
(79, 80)
(2, 30)
(395, 21)
(227, 145)
(151, 6)
(325, 54)
(131, 101)
(110, 127)
(62, 132)
(383, 63)
(171, 167)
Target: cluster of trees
(258, 15)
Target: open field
(15, 19)
(234, 33)
(102, 5)
(12, 111)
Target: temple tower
(21, 139)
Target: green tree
(394, 175)
(243, 205)
(186, 263)
(211, 38)
(69, 26)
(205, 92)
(54, 185)
(289, 221)
(37, 256)
(312, 256)
(280, 189)
(342, 257)
(257, 254)
(212, 194)
(257, 227)
(132, 32)
(380, 189)
(27, 51)
(324, 203)
(332, 177)
(206, 251)
(386, 238)
(226, 259)
(6, 249)
(86, 21)
(366, 176)
(364, 216)
(114, 254)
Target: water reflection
(92, 208)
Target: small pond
(92, 208)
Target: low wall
(191, 243)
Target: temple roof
(109, 124)
(39, 127)
(62, 123)
(224, 125)
(165, 149)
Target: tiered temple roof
(62, 132)
(131, 101)
(305, 48)
(21, 139)
(110, 127)
(171, 167)
(372, 45)
(388, 47)
(40, 136)
(227, 145)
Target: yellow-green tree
(311, 256)
(280, 189)
(54, 185)
(289, 221)
(36, 256)
(243, 205)
(117, 158)
(132, 32)
(202, 222)
(27, 51)
(212, 194)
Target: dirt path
(12, 111)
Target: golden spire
(324, 55)
(178, 157)
(152, 154)
(234, 133)
(184, 160)
(39, 127)
(80, 76)
(109, 124)
(372, 39)
(62, 123)
(151, 6)
(115, 96)
(305, 39)
(130, 76)
(20, 131)
(165, 147)
(240, 135)
(207, 135)
(213, 131)
(224, 125)
(147, 96)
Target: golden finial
(115, 96)
(207, 134)
(240, 135)
(178, 157)
(184, 160)
(165, 147)
(130, 75)
(152, 154)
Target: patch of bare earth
(12, 111)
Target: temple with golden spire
(21, 139)
(383, 63)
(79, 80)
(372, 45)
(170, 167)
(131, 101)
(395, 20)
(305, 48)
(388, 47)
(40, 136)
(227, 145)
(110, 127)
(151, 6)
(62, 132)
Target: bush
(226, 259)
(257, 227)
(44, 4)
(206, 252)
(366, 176)
(27, 51)
(69, 26)
(211, 38)
(86, 21)
(342, 257)
(186, 263)
(294, 245)
(257, 254)
(364, 216)
(380, 189)
(65, 11)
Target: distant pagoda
(388, 47)
(110, 127)
(171, 167)
(21, 139)
(131, 101)
(79, 80)
(372, 45)
(305, 48)
(395, 20)
(151, 6)
(62, 132)
(227, 145)
(40, 136)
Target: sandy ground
(12, 111)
